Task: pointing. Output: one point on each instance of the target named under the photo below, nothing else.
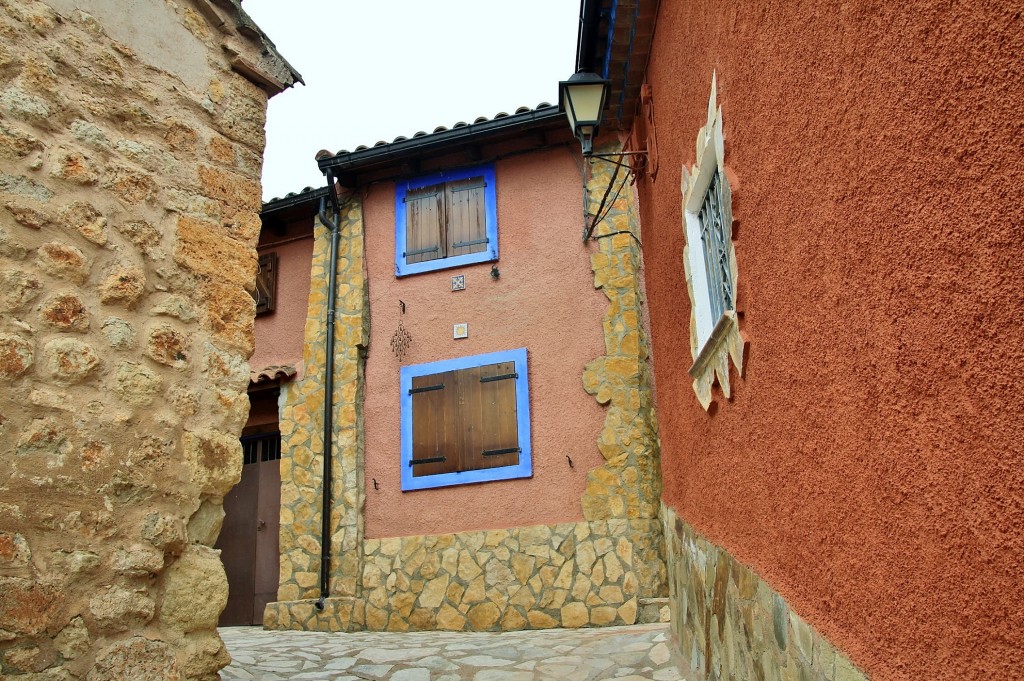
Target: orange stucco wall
(279, 335)
(544, 300)
(870, 464)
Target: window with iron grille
(257, 448)
(465, 420)
(714, 243)
(707, 218)
(446, 220)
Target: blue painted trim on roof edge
(490, 221)
(524, 469)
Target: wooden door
(249, 538)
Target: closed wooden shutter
(266, 283)
(424, 224)
(467, 222)
(499, 441)
(466, 417)
(435, 443)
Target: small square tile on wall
(460, 330)
(459, 282)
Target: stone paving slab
(624, 653)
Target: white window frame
(711, 154)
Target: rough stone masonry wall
(730, 624)
(128, 218)
(302, 421)
(606, 570)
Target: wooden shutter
(492, 415)
(467, 222)
(424, 224)
(466, 417)
(435, 444)
(266, 283)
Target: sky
(377, 69)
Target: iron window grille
(257, 448)
(714, 243)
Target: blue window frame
(465, 420)
(446, 219)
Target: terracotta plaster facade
(865, 467)
(577, 544)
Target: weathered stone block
(63, 261)
(124, 284)
(203, 248)
(119, 609)
(17, 355)
(138, 658)
(214, 459)
(197, 571)
(168, 346)
(66, 312)
(68, 360)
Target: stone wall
(302, 419)
(731, 625)
(566, 575)
(628, 485)
(608, 569)
(129, 207)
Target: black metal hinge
(426, 388)
(420, 251)
(433, 459)
(461, 244)
(497, 452)
(500, 377)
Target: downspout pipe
(590, 21)
(332, 286)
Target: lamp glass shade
(582, 98)
(584, 103)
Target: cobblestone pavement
(623, 653)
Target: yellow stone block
(603, 615)
(483, 617)
(450, 619)
(628, 611)
(541, 620)
(574, 615)
(512, 620)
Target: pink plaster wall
(279, 334)
(545, 301)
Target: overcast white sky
(377, 69)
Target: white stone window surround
(712, 341)
(710, 163)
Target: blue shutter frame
(490, 221)
(524, 469)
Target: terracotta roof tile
(274, 372)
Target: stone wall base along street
(566, 575)
(728, 623)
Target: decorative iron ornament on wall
(401, 340)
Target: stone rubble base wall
(730, 624)
(594, 573)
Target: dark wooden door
(268, 511)
(249, 538)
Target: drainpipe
(590, 21)
(325, 527)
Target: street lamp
(582, 99)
